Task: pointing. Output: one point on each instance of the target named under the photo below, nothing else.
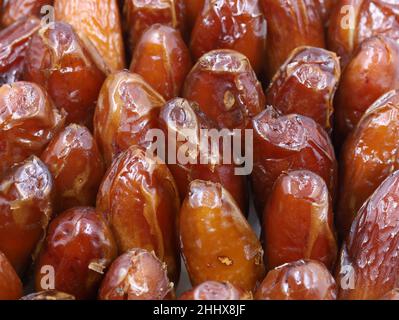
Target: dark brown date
(26, 194)
(14, 10)
(51, 295)
(77, 167)
(136, 275)
(10, 284)
(79, 247)
(212, 290)
(58, 60)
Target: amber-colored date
(76, 164)
(127, 108)
(225, 24)
(325, 9)
(79, 247)
(298, 221)
(98, 24)
(58, 60)
(140, 200)
(14, 10)
(162, 59)
(140, 15)
(306, 84)
(225, 86)
(372, 71)
(291, 24)
(28, 122)
(136, 275)
(217, 242)
(369, 262)
(51, 295)
(300, 280)
(10, 284)
(14, 42)
(368, 157)
(26, 194)
(289, 142)
(391, 295)
(183, 119)
(193, 10)
(213, 290)
(353, 21)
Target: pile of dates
(88, 212)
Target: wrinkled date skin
(298, 221)
(141, 202)
(98, 24)
(14, 42)
(226, 89)
(26, 195)
(372, 71)
(213, 290)
(300, 280)
(80, 247)
(291, 24)
(306, 84)
(238, 25)
(10, 284)
(136, 275)
(51, 295)
(127, 108)
(369, 18)
(162, 59)
(289, 142)
(325, 9)
(368, 157)
(28, 122)
(58, 60)
(141, 14)
(14, 10)
(77, 167)
(369, 262)
(217, 242)
(183, 119)
(193, 10)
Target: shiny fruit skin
(237, 25)
(216, 240)
(213, 290)
(369, 261)
(306, 84)
(127, 108)
(14, 42)
(226, 89)
(51, 295)
(28, 122)
(372, 71)
(291, 24)
(58, 60)
(162, 58)
(98, 24)
(300, 280)
(368, 157)
(289, 142)
(26, 198)
(10, 284)
(136, 275)
(77, 167)
(177, 117)
(325, 9)
(13, 10)
(140, 200)
(80, 247)
(193, 10)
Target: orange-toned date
(217, 242)
(213, 290)
(140, 200)
(300, 280)
(289, 142)
(28, 122)
(225, 86)
(298, 221)
(193, 10)
(391, 295)
(10, 284)
(306, 84)
(51, 295)
(162, 59)
(77, 167)
(127, 108)
(14, 10)
(26, 195)
(231, 24)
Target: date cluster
(87, 213)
